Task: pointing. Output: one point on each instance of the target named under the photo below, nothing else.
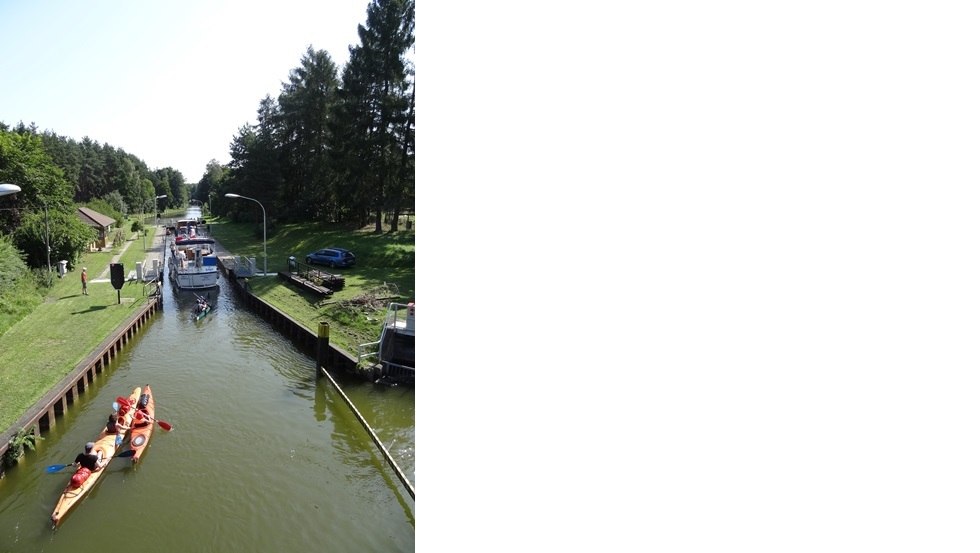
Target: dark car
(331, 257)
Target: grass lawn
(40, 349)
(385, 267)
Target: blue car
(331, 257)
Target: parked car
(331, 257)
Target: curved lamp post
(6, 188)
(265, 253)
(157, 206)
(47, 236)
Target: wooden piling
(322, 346)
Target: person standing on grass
(85, 280)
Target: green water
(262, 457)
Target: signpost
(118, 277)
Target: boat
(193, 263)
(139, 434)
(106, 443)
(394, 352)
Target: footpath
(156, 244)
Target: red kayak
(139, 434)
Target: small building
(101, 223)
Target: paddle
(51, 469)
(163, 424)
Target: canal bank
(60, 384)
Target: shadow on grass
(93, 308)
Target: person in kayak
(117, 426)
(140, 418)
(89, 460)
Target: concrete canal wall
(308, 341)
(43, 415)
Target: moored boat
(106, 444)
(193, 263)
(142, 430)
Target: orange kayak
(106, 443)
(139, 435)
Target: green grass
(384, 261)
(40, 349)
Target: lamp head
(6, 188)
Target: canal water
(262, 457)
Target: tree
(68, 236)
(304, 108)
(44, 192)
(210, 184)
(254, 169)
(374, 123)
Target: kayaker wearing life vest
(140, 419)
(116, 425)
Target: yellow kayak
(106, 443)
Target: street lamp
(8, 189)
(47, 236)
(157, 206)
(265, 253)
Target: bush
(19, 442)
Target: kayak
(106, 443)
(201, 313)
(139, 435)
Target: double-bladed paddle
(51, 469)
(163, 424)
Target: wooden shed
(101, 223)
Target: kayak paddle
(51, 469)
(163, 424)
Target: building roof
(94, 218)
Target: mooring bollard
(322, 346)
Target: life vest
(124, 405)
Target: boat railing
(392, 317)
(397, 313)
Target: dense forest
(335, 146)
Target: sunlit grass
(40, 349)
(387, 258)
